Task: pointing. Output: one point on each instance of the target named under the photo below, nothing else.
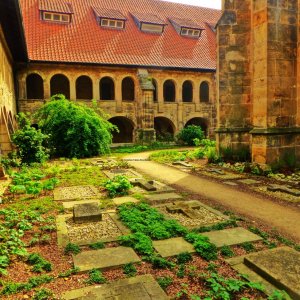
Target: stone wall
(178, 112)
(7, 97)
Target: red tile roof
(186, 23)
(59, 6)
(108, 13)
(148, 18)
(84, 41)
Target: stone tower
(258, 86)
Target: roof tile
(59, 6)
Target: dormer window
(56, 11)
(186, 27)
(109, 18)
(149, 23)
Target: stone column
(118, 95)
(160, 96)
(72, 89)
(96, 89)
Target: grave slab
(142, 287)
(124, 172)
(75, 192)
(157, 198)
(284, 189)
(182, 164)
(123, 200)
(108, 258)
(232, 236)
(70, 204)
(87, 212)
(249, 181)
(280, 266)
(172, 247)
(230, 183)
(144, 184)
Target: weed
(129, 270)
(226, 251)
(96, 276)
(118, 186)
(68, 272)
(284, 240)
(164, 282)
(48, 228)
(279, 295)
(39, 263)
(98, 245)
(43, 294)
(72, 248)
(218, 226)
(181, 271)
(184, 257)
(259, 232)
(161, 263)
(249, 247)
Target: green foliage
(249, 247)
(29, 141)
(181, 271)
(129, 270)
(98, 245)
(39, 263)
(48, 228)
(218, 226)
(74, 129)
(226, 251)
(168, 156)
(96, 276)
(43, 294)
(279, 295)
(118, 186)
(164, 282)
(202, 245)
(138, 241)
(259, 232)
(141, 148)
(72, 248)
(160, 262)
(189, 133)
(241, 154)
(184, 257)
(68, 273)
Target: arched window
(169, 91)
(125, 133)
(187, 91)
(128, 89)
(155, 90)
(164, 129)
(204, 92)
(107, 89)
(59, 84)
(34, 87)
(84, 88)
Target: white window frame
(152, 28)
(189, 32)
(53, 15)
(112, 23)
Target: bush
(189, 133)
(184, 257)
(29, 141)
(72, 248)
(164, 282)
(118, 186)
(96, 276)
(129, 270)
(74, 130)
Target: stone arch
(198, 121)
(125, 126)
(155, 91)
(60, 84)
(204, 91)
(187, 91)
(84, 88)
(107, 88)
(34, 86)
(169, 91)
(128, 89)
(164, 128)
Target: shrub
(29, 141)
(72, 248)
(39, 263)
(184, 257)
(189, 133)
(129, 270)
(226, 251)
(74, 130)
(118, 186)
(96, 276)
(43, 294)
(161, 263)
(164, 282)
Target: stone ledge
(233, 130)
(275, 131)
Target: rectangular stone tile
(75, 192)
(104, 258)
(142, 287)
(87, 212)
(123, 200)
(249, 181)
(162, 197)
(172, 247)
(232, 236)
(70, 204)
(280, 266)
(124, 172)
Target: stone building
(149, 64)
(12, 50)
(258, 79)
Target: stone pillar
(96, 89)
(118, 95)
(72, 89)
(160, 96)
(146, 131)
(234, 75)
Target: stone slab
(157, 198)
(172, 247)
(142, 287)
(105, 258)
(124, 172)
(75, 192)
(249, 181)
(232, 236)
(123, 200)
(182, 164)
(230, 183)
(144, 184)
(280, 266)
(284, 189)
(216, 171)
(70, 204)
(87, 212)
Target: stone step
(103, 259)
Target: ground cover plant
(141, 148)
(118, 186)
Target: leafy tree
(188, 134)
(29, 141)
(75, 130)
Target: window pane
(120, 24)
(104, 22)
(190, 32)
(112, 23)
(65, 18)
(196, 32)
(56, 17)
(47, 16)
(184, 31)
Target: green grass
(168, 156)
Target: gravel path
(285, 219)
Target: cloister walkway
(283, 218)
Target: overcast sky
(204, 3)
